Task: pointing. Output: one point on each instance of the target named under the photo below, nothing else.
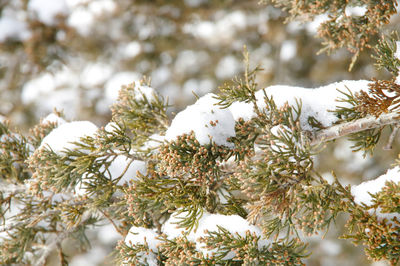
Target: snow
(351, 161)
(146, 91)
(200, 87)
(61, 138)
(210, 222)
(115, 170)
(227, 67)
(242, 110)
(288, 50)
(115, 83)
(331, 247)
(95, 256)
(11, 27)
(49, 91)
(53, 118)
(48, 10)
(316, 102)
(190, 62)
(197, 118)
(118, 166)
(131, 50)
(84, 13)
(108, 235)
(101, 7)
(397, 55)
(111, 127)
(55, 197)
(362, 192)
(112, 87)
(140, 236)
(154, 142)
(95, 74)
(75, 3)
(222, 29)
(312, 26)
(82, 20)
(356, 11)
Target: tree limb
(355, 126)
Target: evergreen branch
(355, 126)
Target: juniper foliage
(267, 177)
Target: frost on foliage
(317, 103)
(207, 120)
(61, 138)
(362, 192)
(144, 236)
(208, 222)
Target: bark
(355, 126)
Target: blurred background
(74, 55)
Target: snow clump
(142, 236)
(207, 120)
(208, 222)
(362, 192)
(61, 138)
(317, 103)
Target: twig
(355, 126)
(392, 137)
(50, 247)
(113, 223)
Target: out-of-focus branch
(51, 246)
(355, 126)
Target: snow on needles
(207, 120)
(62, 137)
(142, 236)
(318, 102)
(210, 122)
(235, 224)
(362, 192)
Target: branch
(51, 246)
(355, 126)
